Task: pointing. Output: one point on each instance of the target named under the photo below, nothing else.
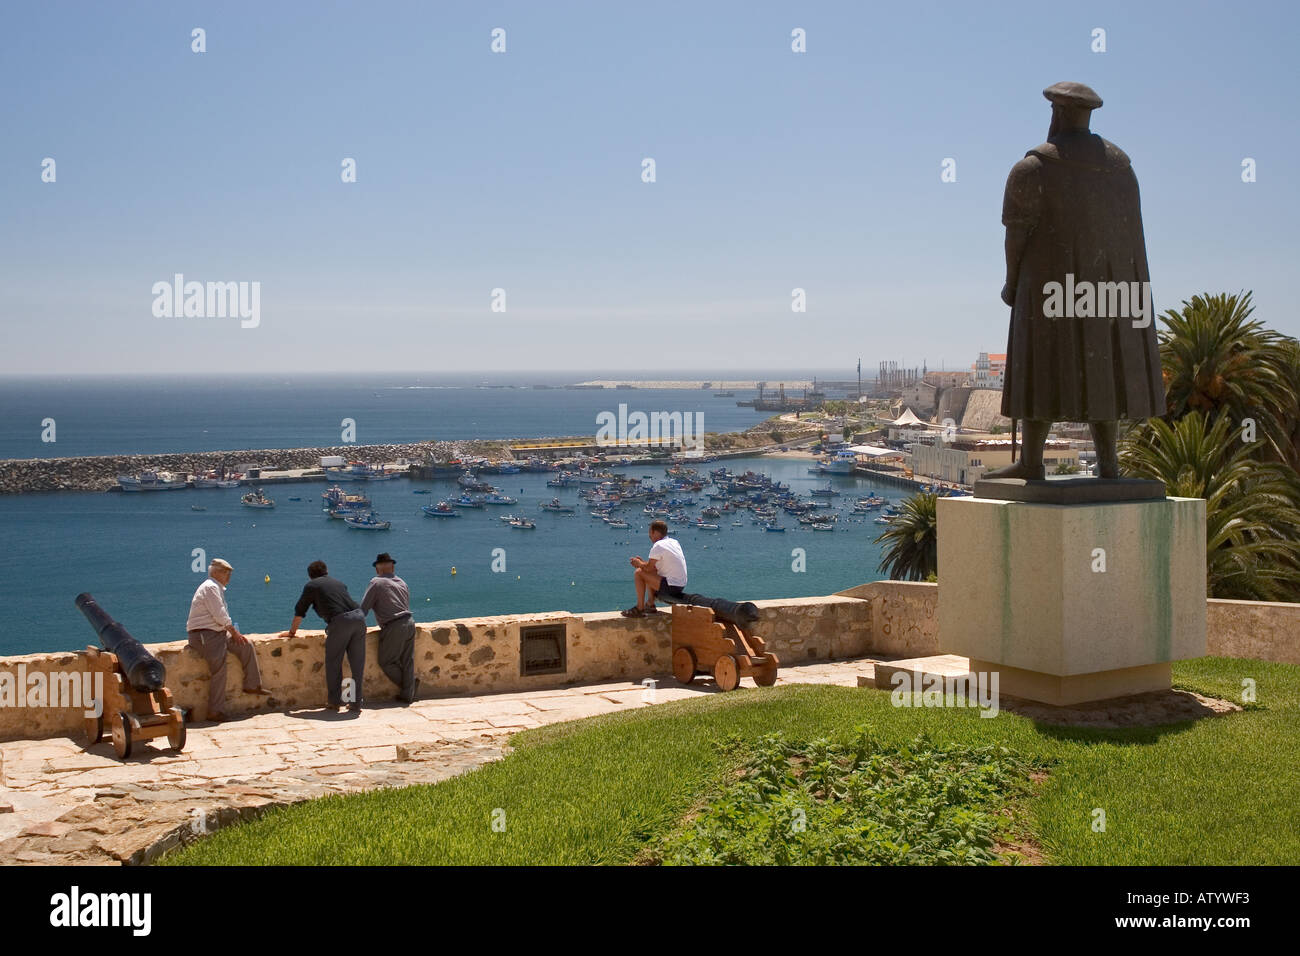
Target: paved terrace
(63, 804)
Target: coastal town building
(989, 370)
(922, 397)
(964, 462)
(948, 379)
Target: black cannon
(143, 671)
(743, 614)
(133, 697)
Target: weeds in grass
(865, 802)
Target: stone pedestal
(1072, 603)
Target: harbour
(572, 559)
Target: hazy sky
(523, 171)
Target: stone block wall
(481, 655)
(1254, 629)
(470, 656)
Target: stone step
(948, 667)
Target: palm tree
(1217, 359)
(1251, 507)
(912, 544)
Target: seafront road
(63, 804)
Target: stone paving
(63, 804)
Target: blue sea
(136, 553)
(107, 416)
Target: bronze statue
(1082, 345)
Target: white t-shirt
(669, 561)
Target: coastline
(98, 473)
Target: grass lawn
(613, 789)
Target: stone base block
(1072, 603)
(1063, 691)
(958, 675)
(920, 670)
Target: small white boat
(366, 521)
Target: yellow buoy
(453, 570)
(267, 579)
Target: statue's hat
(1074, 95)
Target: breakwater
(99, 472)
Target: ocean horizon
(124, 415)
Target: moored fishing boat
(555, 505)
(255, 499)
(152, 481)
(366, 521)
(442, 509)
(523, 524)
(336, 496)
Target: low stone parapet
(469, 656)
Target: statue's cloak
(1078, 195)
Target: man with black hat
(1074, 221)
(390, 599)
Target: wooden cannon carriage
(704, 645)
(133, 715)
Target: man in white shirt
(213, 634)
(663, 572)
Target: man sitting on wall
(663, 572)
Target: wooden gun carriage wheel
(133, 715)
(703, 645)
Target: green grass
(605, 790)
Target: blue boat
(441, 510)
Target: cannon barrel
(740, 613)
(144, 672)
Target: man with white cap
(214, 635)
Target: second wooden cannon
(703, 644)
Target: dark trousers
(344, 634)
(214, 646)
(397, 654)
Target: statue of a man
(1082, 345)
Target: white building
(990, 369)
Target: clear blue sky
(522, 171)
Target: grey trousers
(214, 646)
(397, 654)
(344, 634)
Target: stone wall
(481, 655)
(1254, 629)
(904, 616)
(470, 656)
(905, 621)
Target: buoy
(453, 570)
(267, 579)
(517, 577)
